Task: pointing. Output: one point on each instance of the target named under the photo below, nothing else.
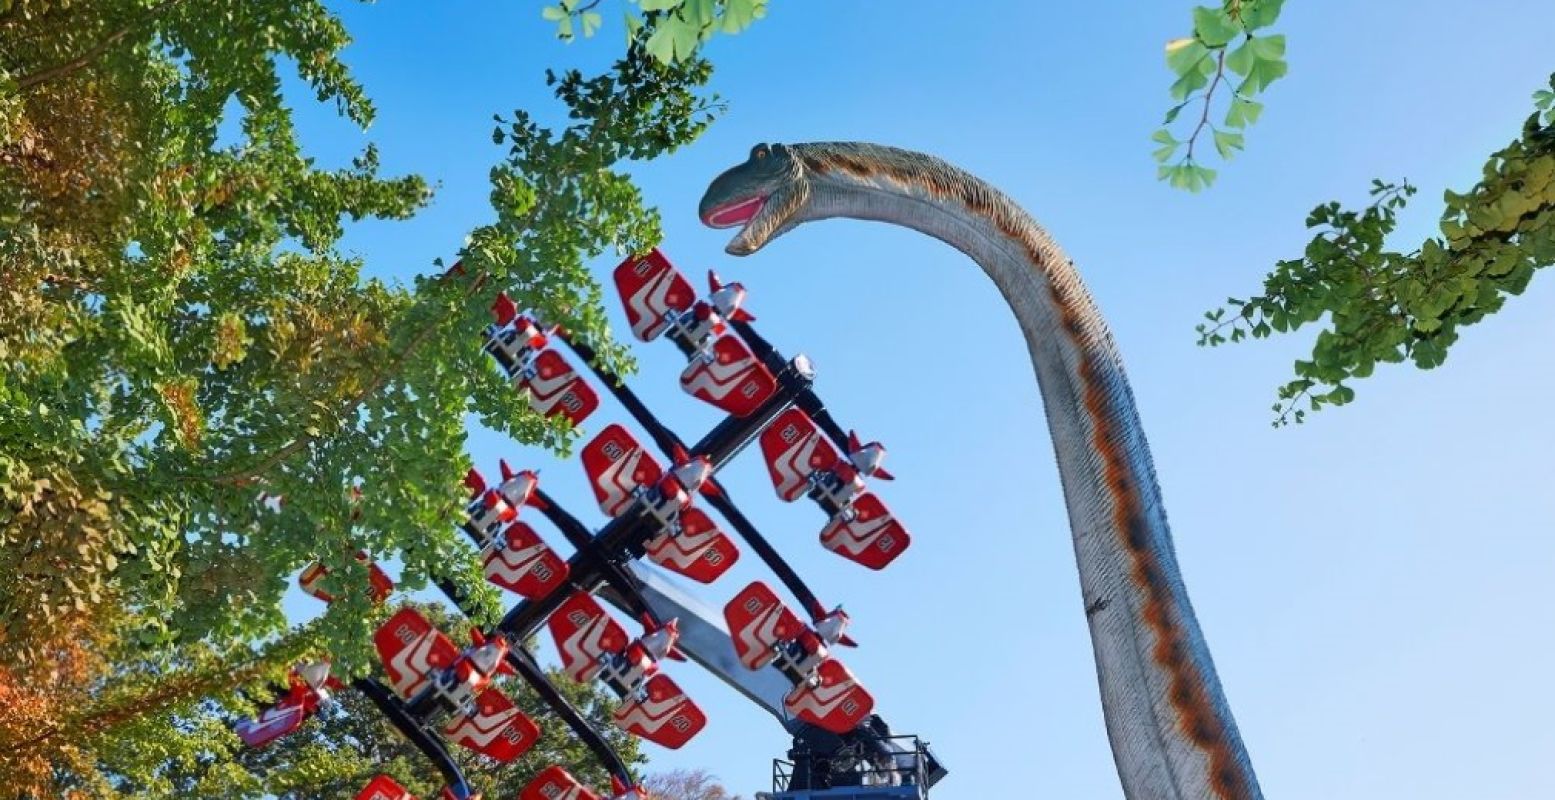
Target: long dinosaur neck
(1171, 731)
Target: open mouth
(734, 213)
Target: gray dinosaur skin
(1171, 730)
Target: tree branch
(240, 476)
(167, 693)
(1209, 96)
(66, 280)
(60, 70)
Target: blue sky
(1373, 584)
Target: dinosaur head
(760, 196)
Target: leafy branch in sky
(679, 26)
(1386, 306)
(1227, 47)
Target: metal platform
(853, 793)
(888, 768)
(868, 764)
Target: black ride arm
(808, 401)
(624, 537)
(720, 500)
(524, 664)
(583, 542)
(429, 745)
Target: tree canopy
(182, 338)
(197, 385)
(160, 725)
(686, 784)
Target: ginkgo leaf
(1213, 26)
(740, 14)
(1227, 143)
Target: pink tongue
(738, 213)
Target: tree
(128, 240)
(332, 757)
(686, 784)
(111, 713)
(32, 704)
(181, 340)
(119, 726)
(180, 336)
(1386, 306)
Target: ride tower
(872, 765)
(783, 660)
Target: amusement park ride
(842, 748)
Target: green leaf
(660, 5)
(1262, 74)
(1214, 27)
(1268, 48)
(554, 13)
(1190, 82)
(740, 14)
(1261, 60)
(1184, 55)
(1240, 60)
(1187, 175)
(1243, 112)
(661, 45)
(1198, 178)
(1171, 113)
(700, 13)
(1227, 143)
(590, 21)
(1260, 13)
(684, 36)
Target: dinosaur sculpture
(1171, 731)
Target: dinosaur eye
(761, 152)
